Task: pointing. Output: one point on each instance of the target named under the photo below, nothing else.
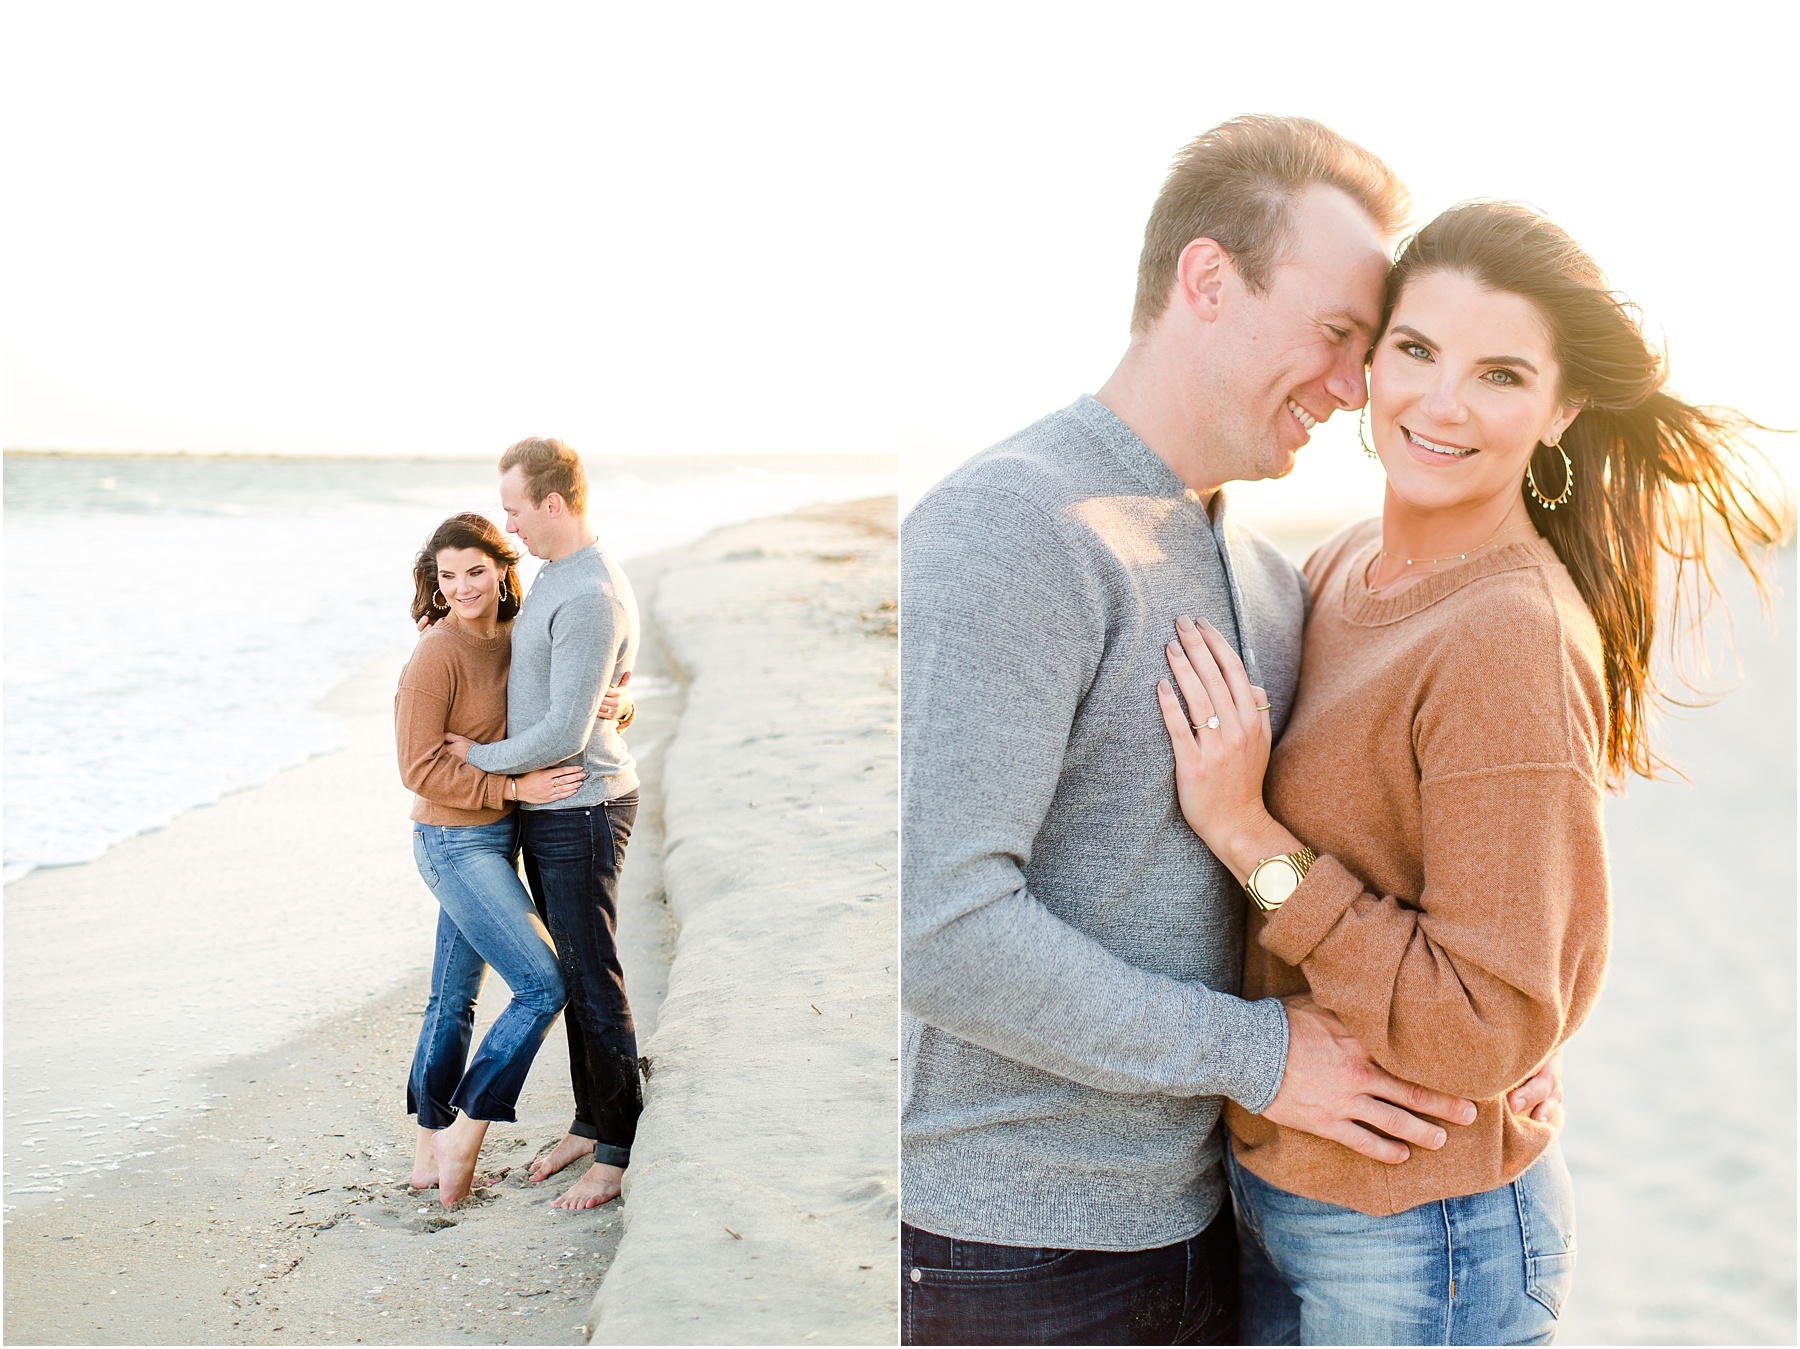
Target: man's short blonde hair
(1237, 184)
(549, 466)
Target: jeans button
(915, 1276)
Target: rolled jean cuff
(612, 1155)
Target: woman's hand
(459, 745)
(617, 705)
(1219, 767)
(541, 786)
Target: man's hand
(459, 745)
(1540, 1095)
(1331, 1083)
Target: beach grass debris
(734, 1234)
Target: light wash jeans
(485, 918)
(1489, 1268)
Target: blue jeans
(485, 918)
(1489, 1268)
(971, 1292)
(572, 860)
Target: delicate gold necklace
(1406, 564)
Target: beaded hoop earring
(437, 600)
(1551, 503)
(1362, 422)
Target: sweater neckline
(1366, 610)
(502, 635)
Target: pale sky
(352, 228)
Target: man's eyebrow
(1354, 318)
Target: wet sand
(270, 1204)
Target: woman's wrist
(1255, 841)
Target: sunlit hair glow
(1237, 185)
(1656, 478)
(549, 466)
(468, 530)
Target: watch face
(1275, 880)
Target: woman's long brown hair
(467, 530)
(1655, 477)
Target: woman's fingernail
(1184, 622)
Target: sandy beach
(262, 1198)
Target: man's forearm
(1013, 978)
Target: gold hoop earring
(1362, 422)
(1551, 503)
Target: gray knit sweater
(576, 629)
(1069, 947)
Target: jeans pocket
(1546, 1200)
(935, 1259)
(422, 859)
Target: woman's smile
(1435, 450)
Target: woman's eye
(1414, 349)
(1504, 377)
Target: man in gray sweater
(1070, 950)
(576, 633)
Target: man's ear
(554, 503)
(1200, 278)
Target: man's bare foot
(457, 1148)
(571, 1148)
(599, 1186)
(424, 1175)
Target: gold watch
(1275, 878)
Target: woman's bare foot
(599, 1186)
(457, 1148)
(571, 1148)
(424, 1175)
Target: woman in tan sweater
(466, 845)
(1424, 850)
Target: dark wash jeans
(572, 860)
(969, 1292)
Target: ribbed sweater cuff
(1301, 923)
(1263, 1036)
(494, 791)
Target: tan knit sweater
(454, 682)
(1443, 759)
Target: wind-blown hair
(1655, 478)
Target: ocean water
(171, 622)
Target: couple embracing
(507, 722)
(1246, 908)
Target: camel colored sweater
(454, 682)
(1444, 761)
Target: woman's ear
(1556, 428)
